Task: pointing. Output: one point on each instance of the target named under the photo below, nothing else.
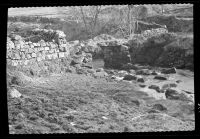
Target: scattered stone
(143, 72)
(128, 66)
(100, 74)
(160, 77)
(169, 71)
(142, 85)
(178, 81)
(81, 71)
(159, 107)
(15, 93)
(172, 94)
(154, 73)
(166, 86)
(99, 70)
(92, 71)
(122, 73)
(155, 87)
(129, 77)
(132, 71)
(141, 80)
(187, 92)
(87, 65)
(104, 117)
(175, 95)
(110, 71)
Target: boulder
(132, 71)
(169, 71)
(160, 77)
(178, 81)
(175, 95)
(81, 71)
(99, 70)
(142, 85)
(77, 59)
(143, 72)
(154, 73)
(159, 107)
(129, 77)
(92, 71)
(128, 66)
(117, 78)
(70, 69)
(141, 80)
(17, 37)
(166, 86)
(172, 94)
(155, 87)
(122, 73)
(110, 71)
(87, 65)
(100, 74)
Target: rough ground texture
(79, 103)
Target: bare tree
(90, 18)
(95, 19)
(83, 17)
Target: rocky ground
(140, 100)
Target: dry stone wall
(117, 52)
(153, 47)
(21, 52)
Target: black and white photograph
(100, 69)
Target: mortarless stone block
(55, 56)
(34, 55)
(23, 50)
(42, 48)
(28, 56)
(8, 61)
(39, 54)
(61, 49)
(23, 55)
(14, 62)
(61, 55)
(36, 50)
(26, 62)
(26, 51)
(17, 46)
(57, 50)
(30, 50)
(43, 57)
(51, 51)
(16, 56)
(39, 59)
(66, 53)
(52, 45)
(48, 44)
(35, 44)
(48, 56)
(26, 46)
(11, 45)
(20, 62)
(31, 45)
(46, 48)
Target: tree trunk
(83, 17)
(95, 18)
